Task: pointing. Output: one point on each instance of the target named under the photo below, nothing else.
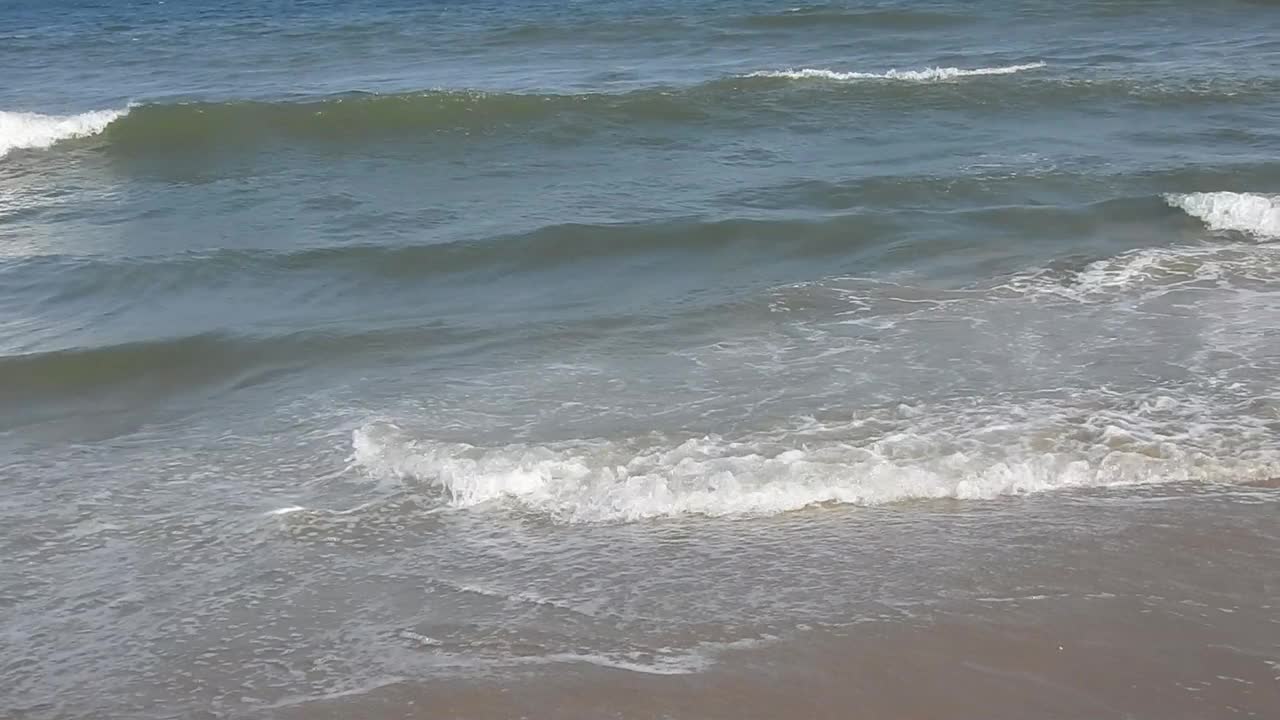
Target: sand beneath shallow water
(1173, 614)
(1106, 658)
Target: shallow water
(355, 357)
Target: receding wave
(923, 75)
(21, 130)
(1250, 213)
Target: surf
(928, 74)
(927, 451)
(27, 130)
(1254, 214)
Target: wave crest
(1251, 213)
(22, 130)
(635, 479)
(925, 75)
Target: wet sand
(1110, 658)
(1173, 616)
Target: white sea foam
(1251, 213)
(666, 661)
(603, 481)
(519, 596)
(925, 75)
(676, 665)
(19, 130)
(1149, 272)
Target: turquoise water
(423, 276)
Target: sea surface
(621, 359)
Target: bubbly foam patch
(1252, 213)
(957, 457)
(925, 75)
(1149, 272)
(19, 130)
(667, 661)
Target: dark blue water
(467, 296)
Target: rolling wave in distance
(759, 99)
(362, 114)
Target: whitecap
(712, 476)
(1252, 213)
(22, 130)
(924, 75)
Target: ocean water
(674, 359)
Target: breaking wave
(924, 75)
(762, 98)
(22, 130)
(895, 455)
(1250, 213)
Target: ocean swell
(167, 127)
(804, 18)
(766, 98)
